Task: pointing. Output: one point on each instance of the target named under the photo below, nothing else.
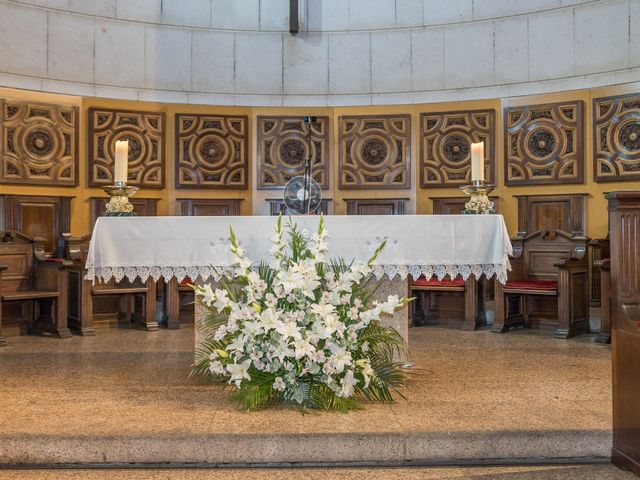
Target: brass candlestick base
(479, 203)
(119, 205)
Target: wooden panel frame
(39, 143)
(212, 150)
(616, 138)
(277, 206)
(146, 132)
(276, 134)
(189, 207)
(544, 144)
(386, 141)
(445, 146)
(455, 205)
(360, 206)
(12, 216)
(143, 207)
(573, 219)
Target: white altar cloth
(198, 247)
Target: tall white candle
(122, 161)
(477, 161)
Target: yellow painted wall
(254, 200)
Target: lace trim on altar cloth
(379, 271)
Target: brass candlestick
(119, 205)
(479, 203)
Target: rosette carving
(374, 152)
(543, 144)
(39, 144)
(145, 132)
(445, 154)
(211, 151)
(283, 149)
(616, 138)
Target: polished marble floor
(132, 383)
(568, 472)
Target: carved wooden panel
(616, 138)
(445, 154)
(277, 206)
(211, 151)
(375, 152)
(39, 144)
(145, 132)
(283, 149)
(209, 207)
(544, 144)
(143, 207)
(552, 214)
(36, 216)
(376, 206)
(455, 205)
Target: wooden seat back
(550, 245)
(18, 253)
(27, 277)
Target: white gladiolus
(300, 323)
(207, 295)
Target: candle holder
(479, 203)
(119, 205)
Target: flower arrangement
(300, 329)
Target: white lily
(239, 372)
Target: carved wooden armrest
(603, 264)
(598, 242)
(570, 263)
(517, 245)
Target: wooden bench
(450, 293)
(82, 292)
(28, 277)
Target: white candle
(477, 161)
(122, 161)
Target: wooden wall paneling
(283, 149)
(445, 146)
(375, 152)
(211, 151)
(455, 205)
(197, 207)
(143, 207)
(145, 132)
(624, 215)
(616, 138)
(543, 144)
(376, 206)
(39, 144)
(552, 214)
(37, 216)
(277, 206)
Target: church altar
(198, 247)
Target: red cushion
(55, 260)
(533, 285)
(434, 282)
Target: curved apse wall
(349, 52)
